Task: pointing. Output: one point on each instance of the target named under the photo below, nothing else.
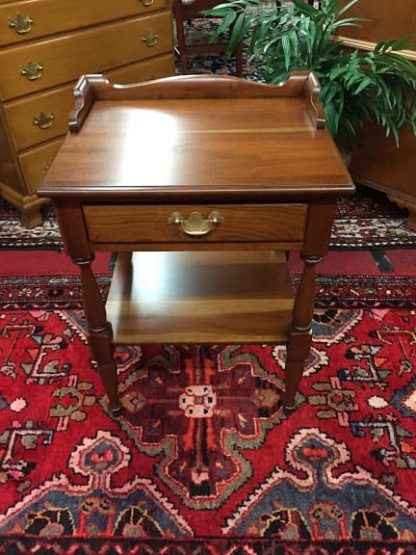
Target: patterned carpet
(203, 460)
(51, 292)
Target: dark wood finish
(318, 227)
(100, 333)
(379, 164)
(186, 11)
(304, 86)
(134, 224)
(200, 297)
(128, 40)
(382, 20)
(291, 157)
(376, 162)
(249, 168)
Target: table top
(198, 149)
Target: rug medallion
(203, 448)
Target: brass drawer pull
(196, 225)
(21, 23)
(147, 3)
(150, 38)
(32, 71)
(44, 120)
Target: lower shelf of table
(200, 297)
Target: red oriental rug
(48, 280)
(203, 460)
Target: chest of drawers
(45, 45)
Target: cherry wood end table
(201, 184)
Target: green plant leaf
(286, 51)
(347, 7)
(304, 8)
(349, 22)
(237, 32)
(356, 86)
(365, 82)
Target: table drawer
(60, 60)
(43, 116)
(161, 224)
(32, 19)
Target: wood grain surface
(196, 297)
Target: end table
(201, 184)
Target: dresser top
(242, 147)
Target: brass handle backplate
(44, 120)
(21, 23)
(147, 3)
(196, 225)
(150, 38)
(32, 71)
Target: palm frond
(356, 86)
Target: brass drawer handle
(44, 120)
(147, 3)
(196, 225)
(21, 23)
(32, 71)
(150, 38)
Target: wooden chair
(187, 11)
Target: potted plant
(356, 86)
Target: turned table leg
(300, 337)
(100, 333)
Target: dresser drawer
(63, 59)
(35, 163)
(43, 116)
(156, 224)
(29, 20)
(40, 117)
